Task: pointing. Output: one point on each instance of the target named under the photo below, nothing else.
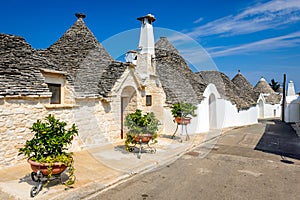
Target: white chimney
(131, 57)
(291, 89)
(146, 44)
(145, 64)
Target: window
(56, 93)
(148, 100)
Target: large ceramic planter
(57, 167)
(143, 138)
(183, 120)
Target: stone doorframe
(128, 105)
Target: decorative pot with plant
(47, 150)
(142, 128)
(182, 112)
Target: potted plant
(182, 112)
(47, 150)
(142, 128)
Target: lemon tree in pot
(183, 112)
(142, 127)
(47, 150)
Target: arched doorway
(261, 109)
(128, 105)
(212, 112)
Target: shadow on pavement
(279, 138)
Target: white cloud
(198, 20)
(270, 15)
(259, 17)
(290, 40)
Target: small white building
(268, 101)
(292, 104)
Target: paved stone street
(254, 162)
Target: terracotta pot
(183, 120)
(57, 167)
(144, 138)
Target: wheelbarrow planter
(40, 174)
(142, 128)
(49, 144)
(57, 167)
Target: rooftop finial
(80, 15)
(239, 71)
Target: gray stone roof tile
(179, 82)
(245, 86)
(227, 89)
(19, 68)
(110, 76)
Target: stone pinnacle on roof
(80, 15)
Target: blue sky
(261, 38)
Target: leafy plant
(49, 144)
(274, 85)
(140, 124)
(183, 109)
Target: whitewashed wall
(267, 110)
(292, 109)
(227, 115)
(233, 117)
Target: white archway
(261, 112)
(212, 103)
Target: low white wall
(233, 117)
(198, 124)
(227, 115)
(269, 110)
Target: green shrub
(49, 143)
(140, 124)
(183, 109)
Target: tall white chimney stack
(145, 66)
(146, 44)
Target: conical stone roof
(83, 58)
(245, 86)
(178, 80)
(262, 87)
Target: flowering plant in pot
(182, 112)
(47, 150)
(142, 127)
